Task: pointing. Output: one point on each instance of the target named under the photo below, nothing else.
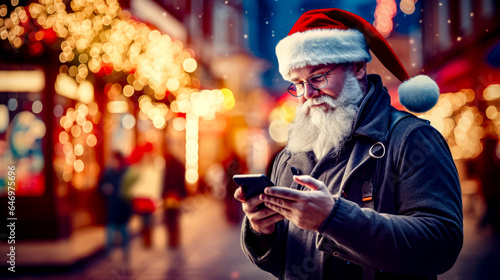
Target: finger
(283, 211)
(238, 195)
(252, 204)
(309, 182)
(283, 192)
(280, 202)
(263, 213)
(275, 218)
(269, 221)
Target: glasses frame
(309, 82)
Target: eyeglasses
(316, 82)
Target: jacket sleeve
(272, 261)
(425, 235)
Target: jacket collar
(373, 115)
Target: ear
(359, 69)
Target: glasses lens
(292, 89)
(318, 82)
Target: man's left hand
(306, 209)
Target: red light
(106, 69)
(32, 36)
(37, 47)
(50, 36)
(180, 115)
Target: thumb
(310, 182)
(238, 195)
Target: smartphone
(252, 184)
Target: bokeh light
(384, 13)
(460, 124)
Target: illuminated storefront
(22, 130)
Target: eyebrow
(294, 80)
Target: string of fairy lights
(99, 38)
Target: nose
(309, 91)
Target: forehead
(302, 73)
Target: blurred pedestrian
(144, 179)
(174, 191)
(119, 208)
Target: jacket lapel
(359, 156)
(370, 127)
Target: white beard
(321, 129)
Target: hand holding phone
(252, 184)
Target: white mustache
(321, 99)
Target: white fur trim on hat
(320, 46)
(418, 94)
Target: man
(362, 193)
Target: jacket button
(336, 254)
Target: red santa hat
(329, 36)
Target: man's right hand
(262, 219)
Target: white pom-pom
(418, 94)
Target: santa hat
(329, 36)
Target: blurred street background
(123, 121)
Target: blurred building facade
(81, 79)
(461, 49)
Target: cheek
(334, 90)
(335, 87)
